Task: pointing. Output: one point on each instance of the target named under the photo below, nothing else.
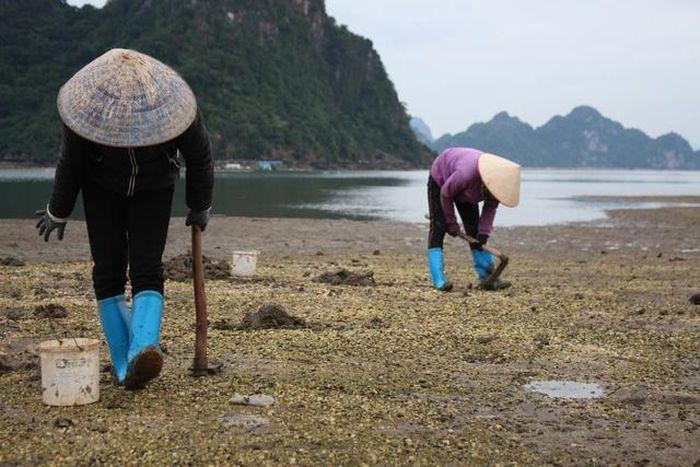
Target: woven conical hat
(501, 177)
(124, 98)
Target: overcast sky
(456, 62)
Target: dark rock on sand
(271, 316)
(345, 277)
(62, 422)
(695, 299)
(179, 268)
(51, 311)
(11, 261)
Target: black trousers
(438, 227)
(127, 231)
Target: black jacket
(130, 170)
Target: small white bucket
(70, 371)
(244, 263)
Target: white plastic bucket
(70, 371)
(244, 263)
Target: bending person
(464, 177)
(126, 116)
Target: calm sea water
(548, 196)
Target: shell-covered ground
(389, 373)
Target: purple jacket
(456, 171)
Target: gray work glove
(200, 218)
(49, 223)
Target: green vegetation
(583, 138)
(274, 78)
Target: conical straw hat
(501, 177)
(124, 98)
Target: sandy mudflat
(666, 230)
(388, 373)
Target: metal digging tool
(502, 261)
(201, 366)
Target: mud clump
(10, 364)
(345, 277)
(271, 316)
(179, 268)
(51, 311)
(375, 323)
(11, 261)
(541, 340)
(486, 338)
(695, 299)
(224, 325)
(15, 314)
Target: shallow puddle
(566, 389)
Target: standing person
(464, 177)
(126, 116)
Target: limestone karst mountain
(275, 79)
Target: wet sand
(388, 373)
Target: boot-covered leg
(436, 263)
(144, 358)
(116, 331)
(125, 312)
(483, 265)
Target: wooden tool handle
(488, 248)
(200, 300)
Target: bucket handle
(54, 334)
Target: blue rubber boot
(436, 263)
(116, 331)
(483, 263)
(125, 312)
(144, 359)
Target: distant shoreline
(286, 169)
(4, 165)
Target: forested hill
(275, 79)
(583, 138)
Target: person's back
(451, 160)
